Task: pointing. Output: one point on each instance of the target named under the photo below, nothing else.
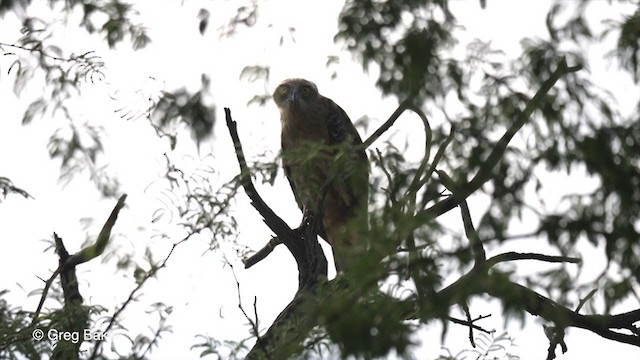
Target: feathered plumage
(314, 130)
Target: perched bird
(319, 149)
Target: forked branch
(484, 173)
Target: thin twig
(585, 299)
(471, 323)
(151, 273)
(43, 297)
(436, 161)
(467, 312)
(511, 256)
(254, 323)
(74, 58)
(476, 243)
(387, 124)
(392, 195)
(428, 134)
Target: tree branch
(81, 256)
(476, 244)
(98, 247)
(436, 161)
(262, 253)
(484, 173)
(510, 256)
(480, 281)
(303, 245)
(387, 124)
(416, 183)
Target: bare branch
(585, 299)
(470, 323)
(511, 256)
(262, 253)
(478, 281)
(303, 245)
(387, 124)
(436, 161)
(83, 255)
(392, 195)
(96, 249)
(476, 243)
(253, 323)
(43, 297)
(428, 135)
(484, 173)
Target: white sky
(202, 291)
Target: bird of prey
(319, 148)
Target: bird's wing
(339, 128)
(287, 173)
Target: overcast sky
(201, 290)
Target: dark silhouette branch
(387, 124)
(292, 326)
(303, 245)
(480, 281)
(471, 323)
(75, 315)
(511, 256)
(428, 134)
(476, 243)
(253, 323)
(83, 255)
(435, 162)
(97, 249)
(548, 309)
(484, 173)
(262, 253)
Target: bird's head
(295, 94)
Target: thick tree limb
(548, 309)
(303, 244)
(76, 316)
(480, 281)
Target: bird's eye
(306, 90)
(283, 90)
